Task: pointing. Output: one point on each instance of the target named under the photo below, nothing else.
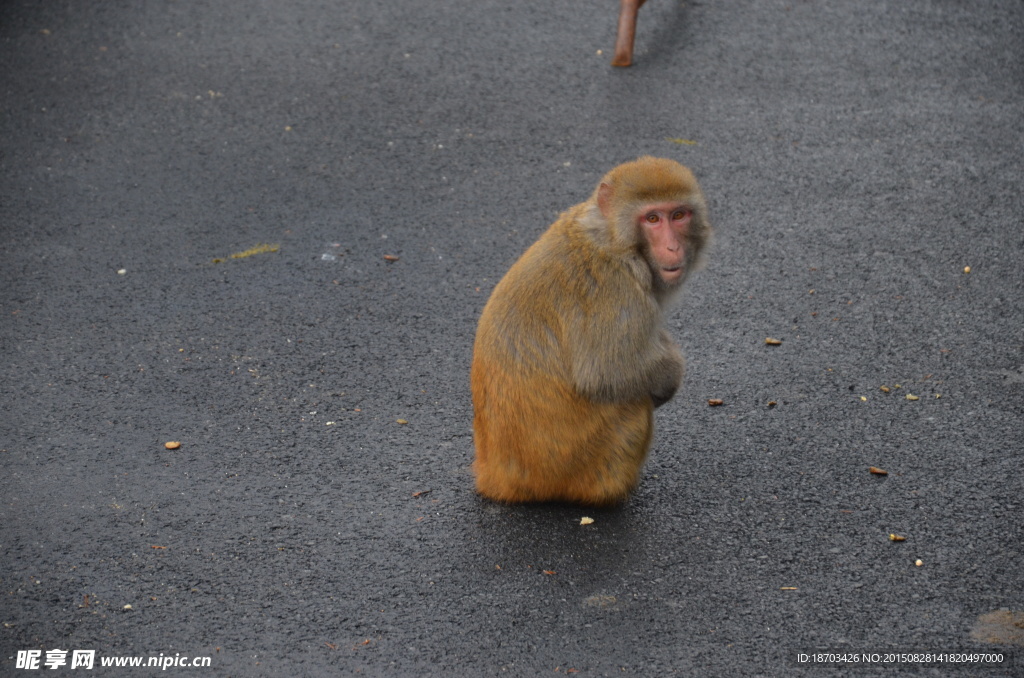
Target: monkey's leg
(627, 32)
(538, 440)
(577, 451)
(607, 462)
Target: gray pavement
(857, 158)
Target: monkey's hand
(659, 401)
(664, 391)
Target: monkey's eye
(652, 218)
(679, 215)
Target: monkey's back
(537, 438)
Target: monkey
(571, 356)
(628, 10)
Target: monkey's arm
(624, 357)
(667, 383)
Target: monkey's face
(665, 227)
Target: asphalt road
(857, 158)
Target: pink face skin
(665, 226)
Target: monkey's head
(654, 205)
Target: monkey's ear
(605, 193)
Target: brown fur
(570, 358)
